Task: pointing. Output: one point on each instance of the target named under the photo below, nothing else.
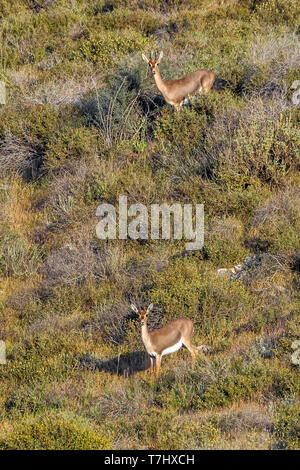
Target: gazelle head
(142, 313)
(154, 62)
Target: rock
(239, 275)
(70, 247)
(296, 97)
(248, 261)
(204, 348)
(295, 344)
(238, 268)
(175, 179)
(224, 272)
(295, 358)
(295, 85)
(282, 289)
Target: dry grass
(285, 205)
(84, 125)
(283, 48)
(19, 156)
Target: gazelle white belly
(173, 348)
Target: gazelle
(178, 92)
(167, 339)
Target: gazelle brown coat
(177, 92)
(167, 339)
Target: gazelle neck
(145, 332)
(159, 81)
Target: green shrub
(277, 222)
(162, 429)
(256, 78)
(24, 399)
(115, 110)
(286, 426)
(223, 243)
(106, 49)
(30, 38)
(55, 433)
(123, 18)
(95, 189)
(275, 11)
(9, 8)
(184, 130)
(291, 75)
(262, 152)
(34, 123)
(71, 144)
(244, 382)
(216, 102)
(180, 140)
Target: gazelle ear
(145, 58)
(133, 307)
(161, 54)
(149, 308)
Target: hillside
(83, 124)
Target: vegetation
(83, 124)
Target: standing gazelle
(177, 92)
(167, 339)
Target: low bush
(184, 130)
(126, 18)
(71, 144)
(55, 432)
(286, 426)
(115, 109)
(262, 152)
(274, 11)
(17, 256)
(106, 49)
(276, 223)
(241, 384)
(35, 124)
(224, 242)
(19, 156)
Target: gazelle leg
(192, 350)
(151, 364)
(177, 107)
(157, 365)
